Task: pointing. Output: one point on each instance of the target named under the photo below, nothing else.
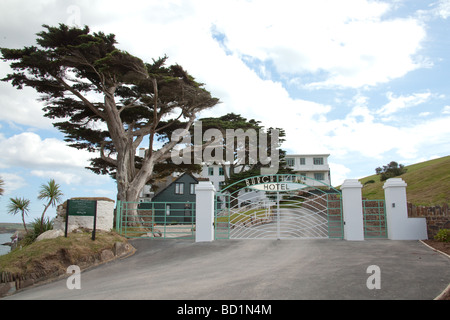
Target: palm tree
(52, 193)
(2, 183)
(19, 205)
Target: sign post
(82, 208)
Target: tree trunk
(130, 183)
(23, 220)
(42, 217)
(125, 172)
(126, 191)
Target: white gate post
(353, 211)
(399, 226)
(204, 207)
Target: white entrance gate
(278, 207)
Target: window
(179, 188)
(168, 210)
(302, 161)
(221, 172)
(319, 176)
(318, 161)
(221, 185)
(192, 187)
(210, 171)
(290, 162)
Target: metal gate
(374, 213)
(278, 207)
(156, 220)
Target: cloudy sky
(366, 81)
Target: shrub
(393, 169)
(36, 229)
(443, 235)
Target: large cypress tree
(107, 100)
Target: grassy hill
(428, 183)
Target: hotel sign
(274, 183)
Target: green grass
(243, 216)
(57, 253)
(428, 183)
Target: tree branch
(106, 158)
(129, 106)
(81, 97)
(163, 152)
(155, 118)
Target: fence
(182, 220)
(156, 220)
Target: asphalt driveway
(261, 269)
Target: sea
(5, 237)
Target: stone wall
(438, 217)
(105, 216)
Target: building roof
(186, 173)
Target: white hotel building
(314, 166)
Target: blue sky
(366, 81)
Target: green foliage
(393, 169)
(17, 205)
(2, 183)
(37, 227)
(443, 235)
(52, 193)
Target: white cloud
(446, 110)
(442, 9)
(397, 103)
(374, 140)
(29, 150)
(358, 132)
(339, 173)
(72, 176)
(349, 42)
(21, 107)
(59, 176)
(430, 136)
(12, 182)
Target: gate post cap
(205, 186)
(394, 182)
(351, 183)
